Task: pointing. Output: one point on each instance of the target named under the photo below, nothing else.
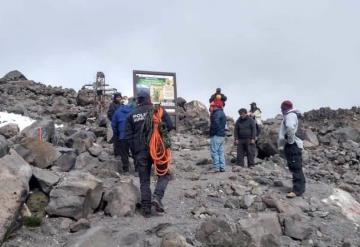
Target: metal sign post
(100, 92)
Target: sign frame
(172, 110)
(154, 73)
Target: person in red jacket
(218, 98)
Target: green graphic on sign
(151, 81)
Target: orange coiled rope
(160, 155)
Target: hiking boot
(159, 207)
(125, 169)
(146, 212)
(222, 169)
(291, 195)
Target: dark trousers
(293, 156)
(144, 164)
(124, 150)
(116, 146)
(246, 148)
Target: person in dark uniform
(136, 135)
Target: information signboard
(161, 87)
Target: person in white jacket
(292, 146)
(255, 113)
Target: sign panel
(161, 87)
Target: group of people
(129, 120)
(247, 129)
(130, 117)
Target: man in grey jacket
(292, 146)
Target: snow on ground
(59, 126)
(20, 120)
(349, 206)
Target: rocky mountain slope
(66, 190)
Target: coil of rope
(159, 147)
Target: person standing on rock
(136, 134)
(255, 113)
(117, 102)
(118, 124)
(217, 136)
(245, 135)
(218, 98)
(292, 146)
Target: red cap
(286, 105)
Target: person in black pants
(245, 134)
(293, 147)
(136, 135)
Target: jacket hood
(296, 111)
(126, 109)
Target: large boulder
(66, 162)
(180, 102)
(218, 232)
(15, 175)
(347, 133)
(101, 167)
(42, 128)
(267, 141)
(4, 146)
(311, 139)
(122, 199)
(173, 239)
(14, 75)
(85, 97)
(38, 153)
(19, 108)
(9, 130)
(87, 162)
(194, 117)
(97, 236)
(46, 179)
(76, 196)
(261, 228)
(81, 141)
(297, 226)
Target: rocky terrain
(66, 190)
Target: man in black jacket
(117, 97)
(245, 134)
(136, 135)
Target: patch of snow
(59, 126)
(20, 120)
(349, 206)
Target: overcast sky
(262, 51)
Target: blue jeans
(217, 151)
